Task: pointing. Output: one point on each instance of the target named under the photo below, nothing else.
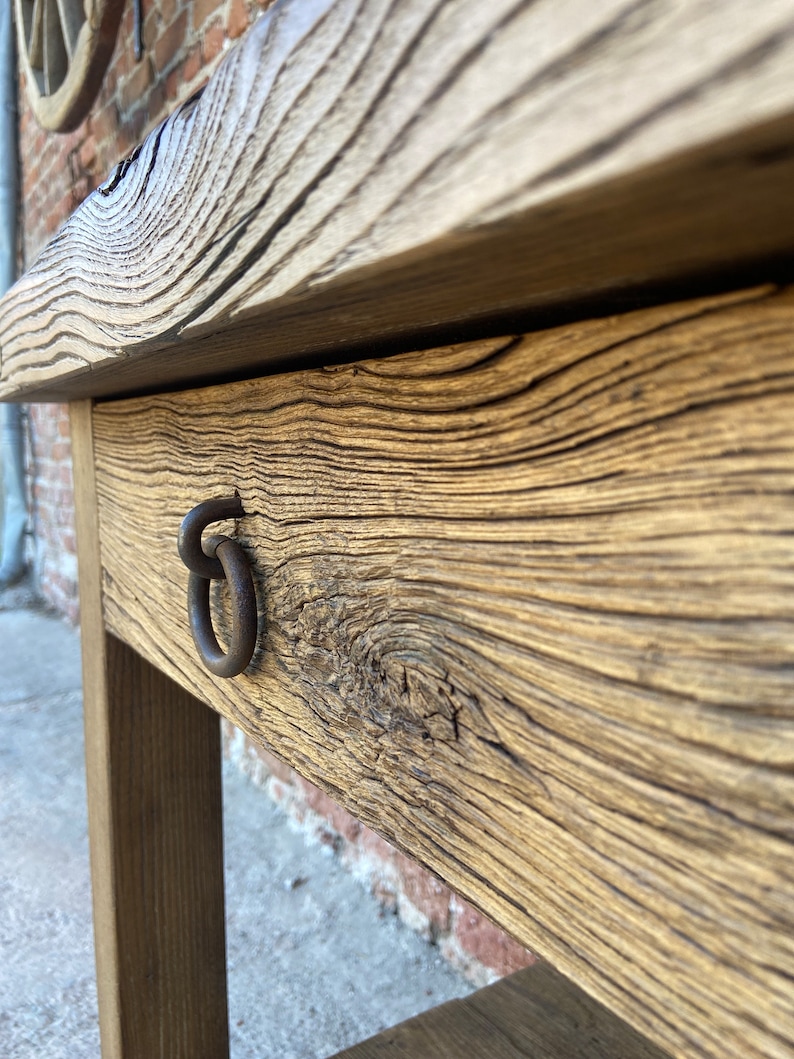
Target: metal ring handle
(243, 605)
(219, 558)
(193, 525)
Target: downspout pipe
(12, 550)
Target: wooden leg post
(154, 805)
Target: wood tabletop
(361, 173)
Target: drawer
(525, 606)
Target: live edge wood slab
(369, 170)
(525, 599)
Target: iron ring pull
(218, 558)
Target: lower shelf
(533, 1014)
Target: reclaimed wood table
(477, 317)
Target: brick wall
(52, 506)
(184, 41)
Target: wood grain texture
(526, 608)
(534, 1014)
(360, 169)
(155, 827)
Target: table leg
(154, 792)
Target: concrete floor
(314, 963)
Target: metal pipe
(15, 516)
(12, 558)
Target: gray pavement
(314, 963)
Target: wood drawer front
(527, 608)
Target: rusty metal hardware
(193, 525)
(218, 558)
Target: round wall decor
(64, 48)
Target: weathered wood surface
(368, 170)
(527, 607)
(534, 1014)
(156, 831)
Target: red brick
(126, 26)
(156, 105)
(123, 61)
(376, 846)
(340, 820)
(170, 43)
(31, 174)
(87, 153)
(134, 87)
(105, 122)
(425, 892)
(479, 938)
(192, 63)
(151, 27)
(128, 135)
(137, 122)
(203, 10)
(238, 19)
(173, 85)
(102, 99)
(213, 42)
(168, 10)
(55, 219)
(70, 141)
(81, 189)
(113, 77)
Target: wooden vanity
(482, 314)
